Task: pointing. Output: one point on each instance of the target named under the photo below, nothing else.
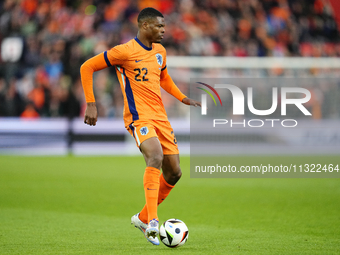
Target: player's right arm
(115, 56)
(86, 73)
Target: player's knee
(175, 176)
(178, 174)
(155, 161)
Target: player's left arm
(169, 86)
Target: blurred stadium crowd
(44, 43)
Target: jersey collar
(141, 44)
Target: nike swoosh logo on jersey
(150, 189)
(138, 60)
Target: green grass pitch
(83, 205)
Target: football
(173, 233)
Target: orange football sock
(151, 187)
(164, 190)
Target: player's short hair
(148, 13)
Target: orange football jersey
(141, 72)
(139, 69)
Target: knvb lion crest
(159, 58)
(144, 131)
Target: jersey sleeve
(169, 86)
(167, 83)
(164, 60)
(115, 56)
(86, 74)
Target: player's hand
(189, 101)
(91, 114)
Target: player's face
(156, 29)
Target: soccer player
(141, 69)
